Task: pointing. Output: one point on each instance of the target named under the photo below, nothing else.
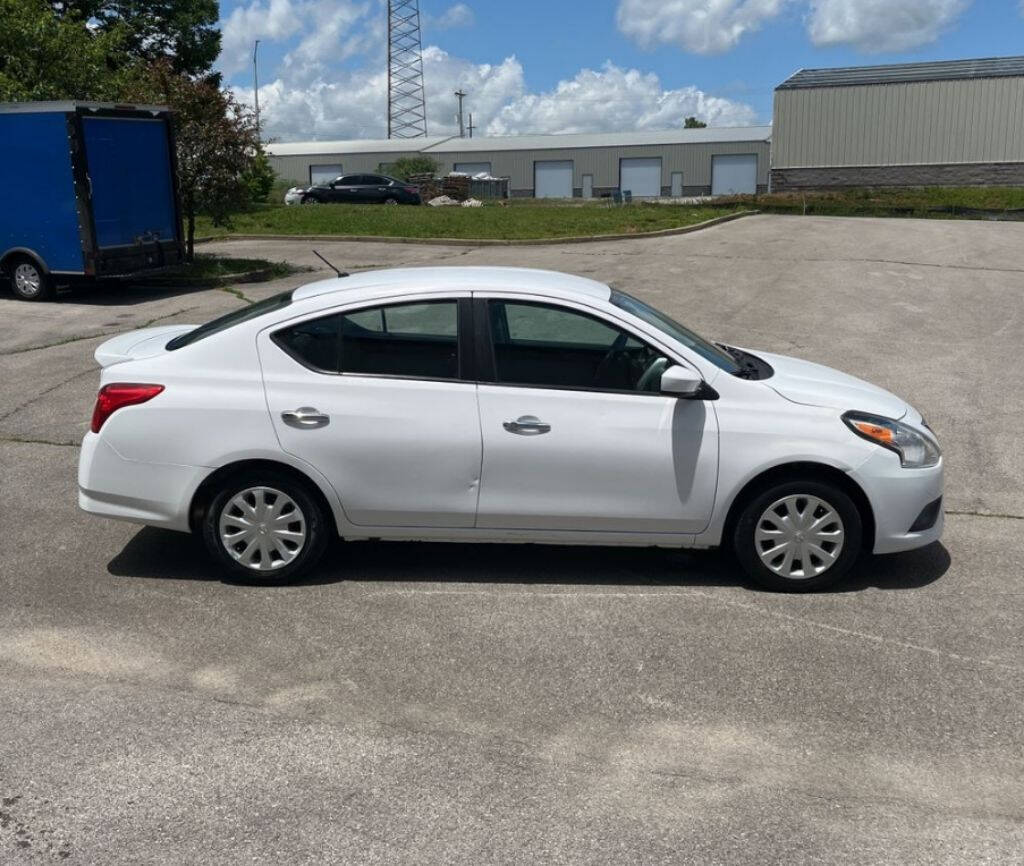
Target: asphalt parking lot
(484, 704)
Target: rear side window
(236, 317)
(411, 340)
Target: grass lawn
(927, 202)
(515, 222)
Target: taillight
(412, 189)
(113, 397)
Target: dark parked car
(362, 189)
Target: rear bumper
(900, 499)
(154, 494)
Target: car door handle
(306, 418)
(527, 425)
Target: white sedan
(498, 404)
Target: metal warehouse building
(955, 123)
(680, 162)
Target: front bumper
(898, 498)
(155, 494)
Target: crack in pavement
(41, 394)
(67, 340)
(801, 260)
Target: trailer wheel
(29, 281)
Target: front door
(576, 435)
(373, 399)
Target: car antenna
(339, 273)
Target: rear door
(378, 398)
(131, 181)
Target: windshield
(677, 332)
(235, 317)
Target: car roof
(525, 280)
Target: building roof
(453, 279)
(454, 144)
(713, 134)
(901, 73)
(361, 145)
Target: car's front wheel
(309, 199)
(798, 536)
(265, 527)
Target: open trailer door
(129, 161)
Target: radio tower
(407, 104)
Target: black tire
(391, 200)
(745, 543)
(316, 524)
(29, 281)
(310, 199)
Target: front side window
(709, 351)
(554, 347)
(419, 340)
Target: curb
(484, 242)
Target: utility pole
(462, 125)
(471, 127)
(256, 85)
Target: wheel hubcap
(27, 279)
(262, 528)
(799, 537)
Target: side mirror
(682, 381)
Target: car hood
(144, 343)
(817, 385)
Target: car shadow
(118, 293)
(162, 554)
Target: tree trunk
(190, 239)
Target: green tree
(43, 56)
(217, 144)
(694, 123)
(259, 177)
(181, 31)
(408, 166)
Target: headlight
(916, 450)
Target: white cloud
(459, 15)
(700, 26)
(614, 99)
(714, 26)
(337, 30)
(276, 19)
(353, 104)
(881, 25)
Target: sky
(531, 66)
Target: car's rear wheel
(390, 200)
(265, 527)
(797, 536)
(28, 280)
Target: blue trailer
(87, 190)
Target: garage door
(472, 168)
(552, 178)
(641, 176)
(324, 173)
(734, 174)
